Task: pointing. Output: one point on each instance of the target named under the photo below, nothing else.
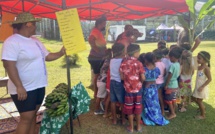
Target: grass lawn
(91, 124)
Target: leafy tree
(196, 18)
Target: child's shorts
(133, 103)
(101, 90)
(160, 86)
(170, 95)
(117, 91)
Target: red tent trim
(92, 9)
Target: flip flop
(140, 131)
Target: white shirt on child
(114, 69)
(167, 64)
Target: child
(151, 114)
(132, 73)
(203, 78)
(171, 85)
(117, 91)
(101, 82)
(162, 44)
(166, 59)
(160, 79)
(107, 101)
(127, 40)
(141, 59)
(187, 71)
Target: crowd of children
(142, 85)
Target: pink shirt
(161, 67)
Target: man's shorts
(96, 64)
(34, 98)
(133, 103)
(117, 91)
(102, 92)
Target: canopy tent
(163, 27)
(92, 9)
(177, 27)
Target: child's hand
(200, 89)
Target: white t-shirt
(114, 69)
(29, 54)
(167, 64)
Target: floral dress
(185, 87)
(151, 114)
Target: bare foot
(183, 109)
(171, 116)
(199, 117)
(139, 129)
(105, 115)
(114, 122)
(123, 121)
(129, 129)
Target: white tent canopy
(163, 27)
(177, 27)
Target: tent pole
(69, 82)
(23, 6)
(90, 10)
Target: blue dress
(151, 114)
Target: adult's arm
(92, 41)
(12, 71)
(54, 56)
(197, 42)
(118, 37)
(168, 80)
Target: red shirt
(131, 68)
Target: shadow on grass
(183, 123)
(71, 66)
(186, 123)
(66, 128)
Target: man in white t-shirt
(24, 59)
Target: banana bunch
(56, 104)
(61, 88)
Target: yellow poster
(5, 29)
(70, 30)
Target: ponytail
(209, 65)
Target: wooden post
(68, 82)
